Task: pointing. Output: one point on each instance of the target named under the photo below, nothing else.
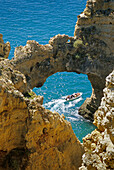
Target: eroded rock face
(89, 52)
(52, 142)
(4, 48)
(95, 28)
(99, 145)
(32, 137)
(104, 117)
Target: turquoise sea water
(39, 20)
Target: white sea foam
(72, 119)
(65, 107)
(60, 105)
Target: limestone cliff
(32, 137)
(89, 52)
(99, 145)
(95, 28)
(4, 48)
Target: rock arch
(90, 52)
(38, 62)
(25, 124)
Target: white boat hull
(74, 98)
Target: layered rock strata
(89, 52)
(99, 145)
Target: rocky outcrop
(89, 52)
(95, 28)
(99, 145)
(4, 48)
(32, 137)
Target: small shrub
(30, 95)
(77, 56)
(78, 43)
(86, 44)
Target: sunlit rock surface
(99, 145)
(90, 52)
(32, 137)
(95, 28)
(4, 48)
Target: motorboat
(73, 96)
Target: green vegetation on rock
(78, 43)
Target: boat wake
(69, 109)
